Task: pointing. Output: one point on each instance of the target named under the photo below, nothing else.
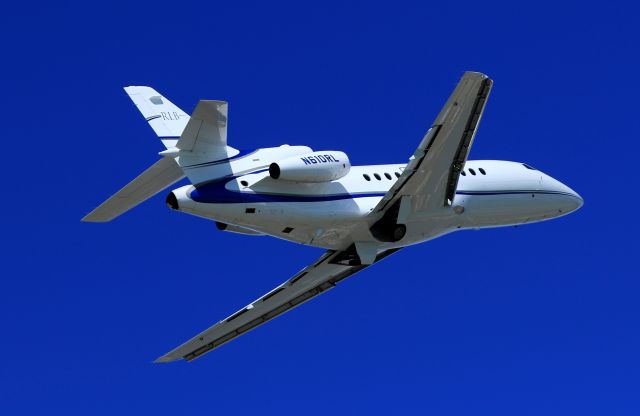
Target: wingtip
(477, 74)
(166, 359)
(92, 218)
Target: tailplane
(206, 131)
(158, 177)
(203, 142)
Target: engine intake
(323, 166)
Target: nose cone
(572, 202)
(567, 199)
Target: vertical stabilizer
(164, 117)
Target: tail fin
(164, 117)
(159, 176)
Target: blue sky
(539, 319)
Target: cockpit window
(529, 166)
(473, 172)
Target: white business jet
(359, 214)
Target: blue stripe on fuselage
(215, 192)
(513, 192)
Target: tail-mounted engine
(323, 166)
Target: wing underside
(324, 274)
(431, 177)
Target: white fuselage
(239, 192)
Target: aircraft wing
(431, 177)
(312, 281)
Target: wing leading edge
(431, 177)
(322, 275)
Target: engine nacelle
(323, 166)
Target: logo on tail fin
(172, 116)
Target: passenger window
(386, 175)
(463, 173)
(482, 171)
(377, 176)
(397, 175)
(367, 177)
(473, 172)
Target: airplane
(358, 214)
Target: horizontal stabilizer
(159, 176)
(206, 130)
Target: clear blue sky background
(539, 319)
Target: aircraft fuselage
(335, 214)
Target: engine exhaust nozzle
(172, 201)
(274, 170)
